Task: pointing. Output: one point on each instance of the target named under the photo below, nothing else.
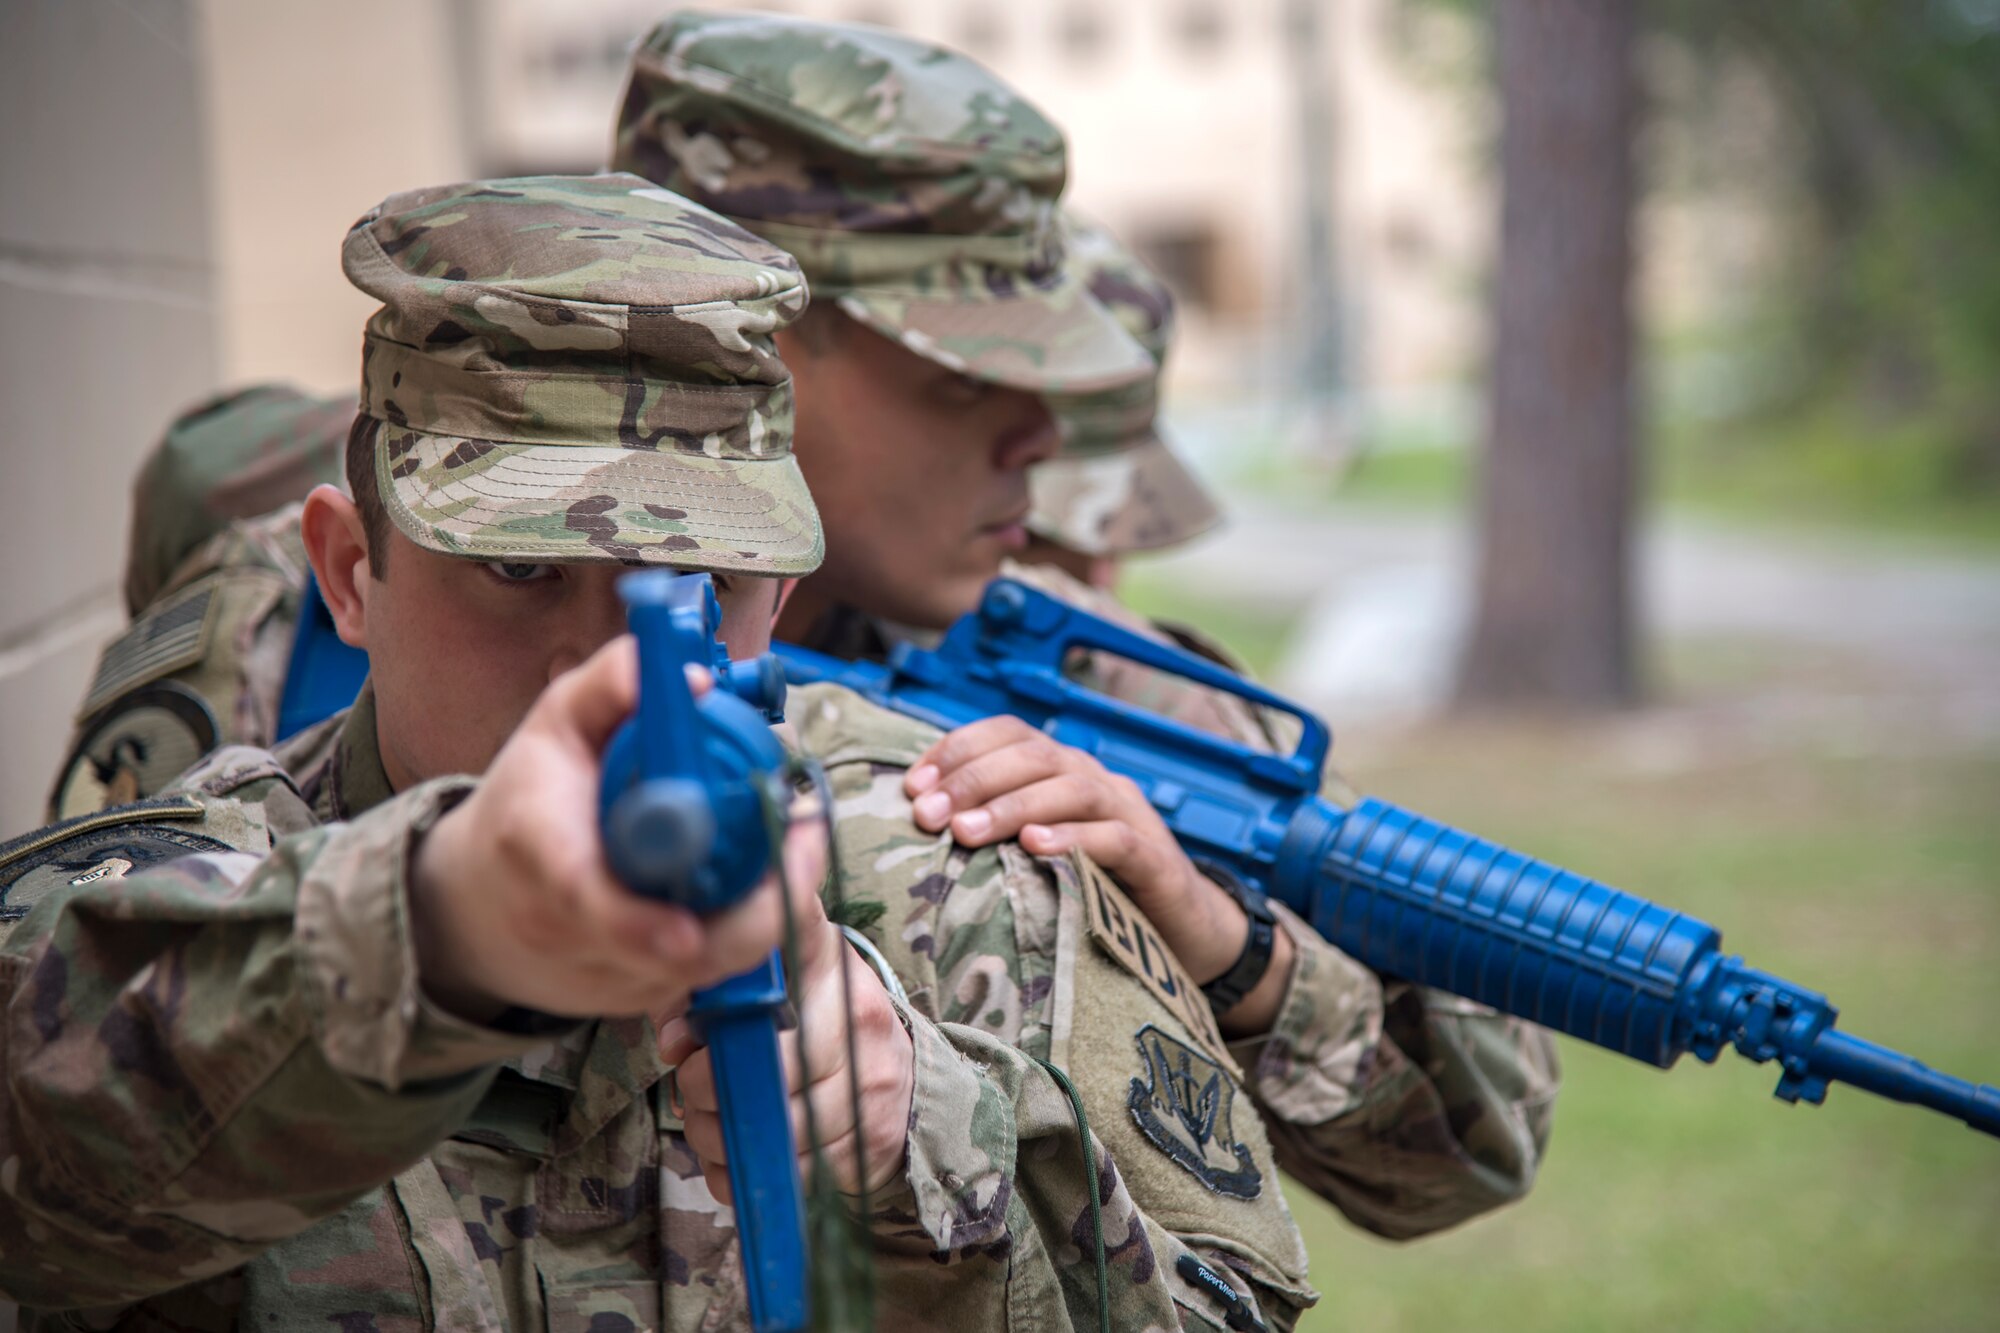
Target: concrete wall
(105, 331)
(313, 120)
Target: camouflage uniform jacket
(202, 666)
(1411, 1110)
(229, 1105)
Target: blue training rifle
(683, 810)
(682, 814)
(1406, 895)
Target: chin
(961, 599)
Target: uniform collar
(356, 782)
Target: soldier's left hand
(1000, 778)
(887, 1067)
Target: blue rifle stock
(323, 674)
(682, 810)
(1406, 895)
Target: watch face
(134, 747)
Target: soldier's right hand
(512, 903)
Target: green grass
(1690, 1199)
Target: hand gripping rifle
(1406, 895)
(686, 814)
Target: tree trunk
(1553, 625)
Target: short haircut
(367, 495)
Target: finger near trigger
(703, 1131)
(741, 935)
(1003, 769)
(695, 1080)
(957, 748)
(1059, 799)
(644, 931)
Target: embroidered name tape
(1123, 932)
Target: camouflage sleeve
(209, 1054)
(1002, 973)
(1409, 1109)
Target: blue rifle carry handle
(682, 812)
(1406, 895)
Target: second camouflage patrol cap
(1118, 486)
(917, 190)
(237, 455)
(581, 369)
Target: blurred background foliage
(1888, 304)
(1852, 378)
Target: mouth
(1011, 532)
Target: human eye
(959, 390)
(520, 572)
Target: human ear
(336, 544)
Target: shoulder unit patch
(1185, 1104)
(105, 845)
(136, 745)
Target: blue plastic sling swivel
(683, 814)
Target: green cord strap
(1096, 1202)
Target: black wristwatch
(1227, 991)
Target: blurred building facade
(1182, 118)
(255, 131)
(106, 327)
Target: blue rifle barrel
(683, 820)
(1408, 896)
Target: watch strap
(1227, 991)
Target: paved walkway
(1871, 643)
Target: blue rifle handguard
(682, 811)
(1408, 896)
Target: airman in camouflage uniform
(213, 580)
(288, 1043)
(1118, 486)
(1117, 489)
(920, 194)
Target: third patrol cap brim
(1138, 498)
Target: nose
(595, 616)
(1031, 438)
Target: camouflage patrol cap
(581, 369)
(916, 189)
(237, 455)
(1118, 486)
